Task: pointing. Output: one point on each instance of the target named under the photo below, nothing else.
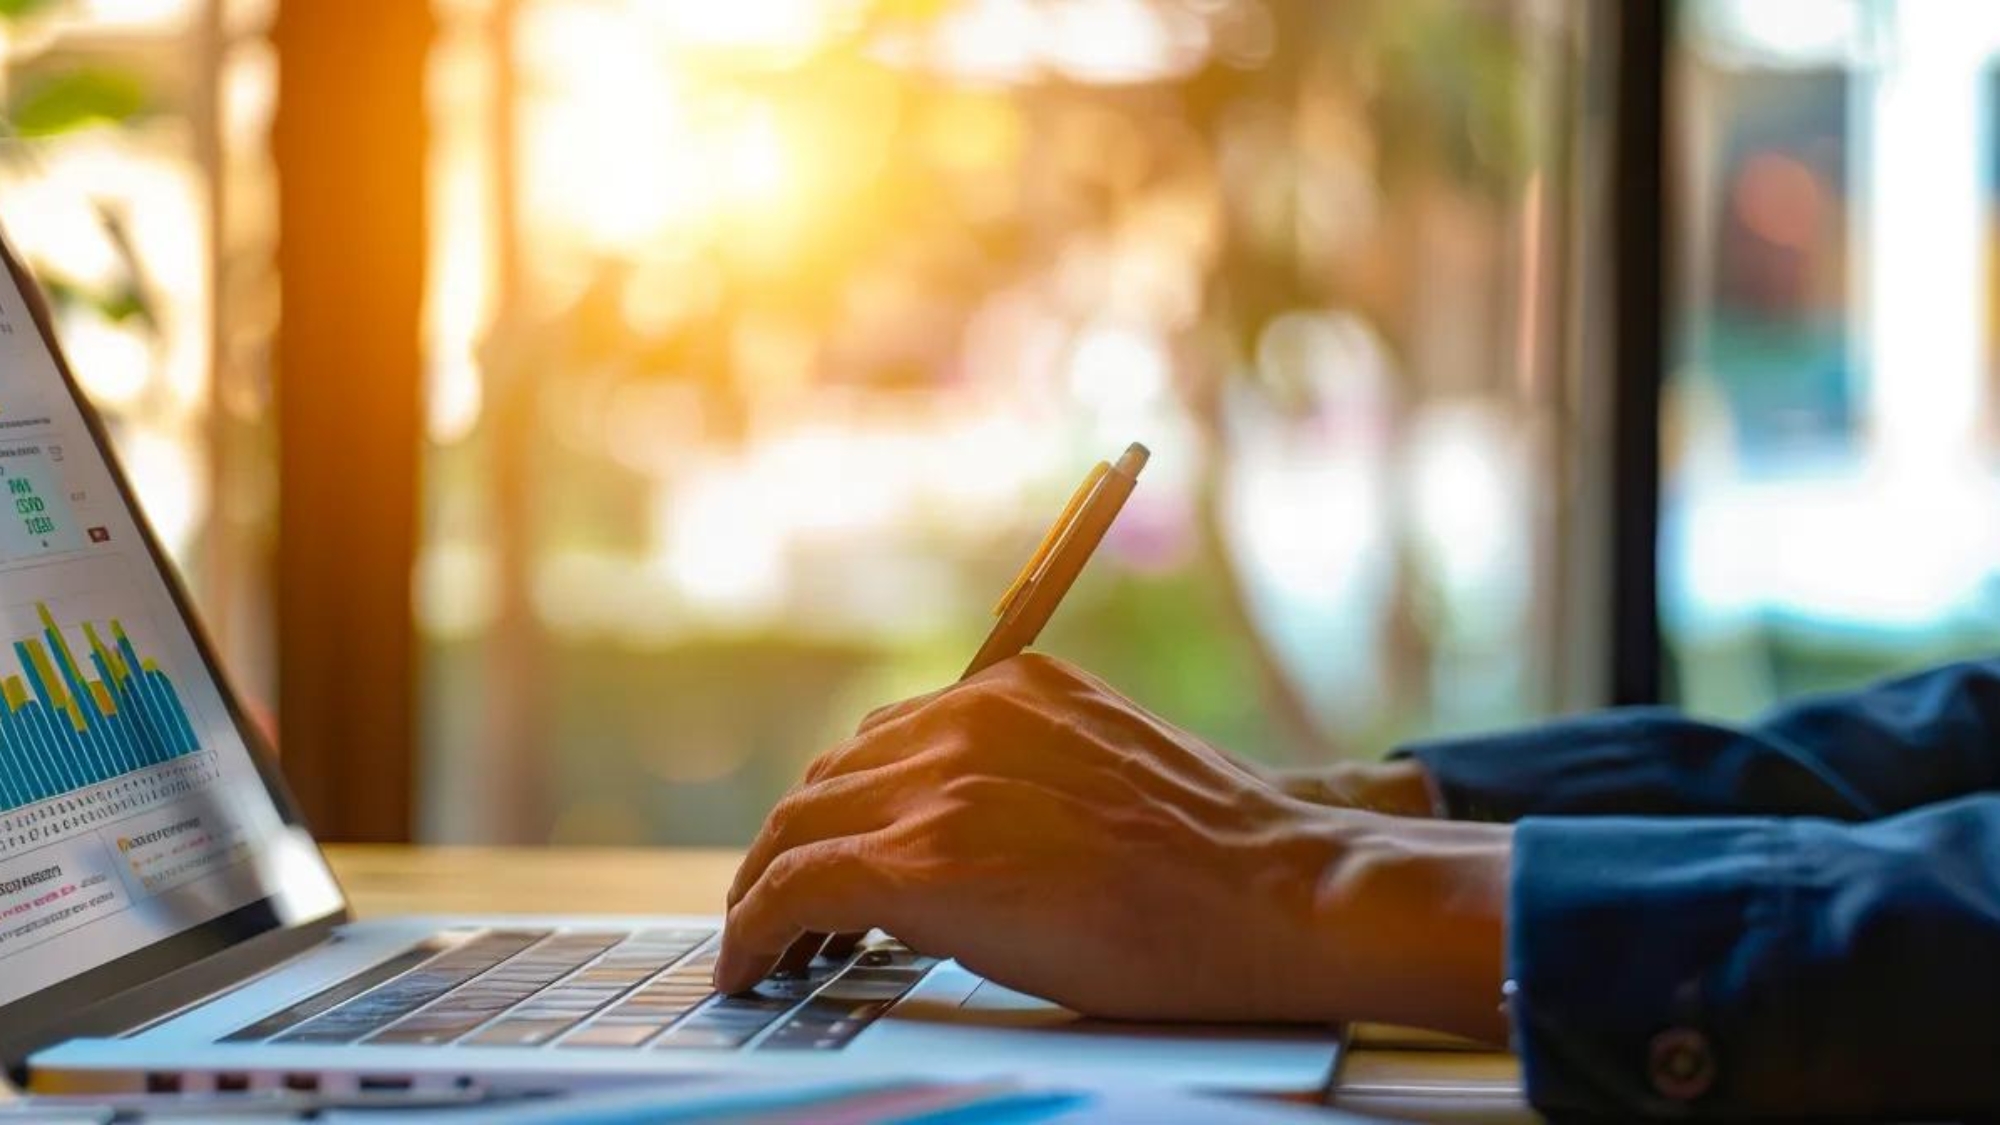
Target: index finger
(880, 717)
(845, 805)
(872, 745)
(823, 887)
(889, 713)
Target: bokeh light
(819, 309)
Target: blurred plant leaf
(76, 99)
(19, 9)
(116, 303)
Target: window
(763, 339)
(1831, 425)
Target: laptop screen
(132, 810)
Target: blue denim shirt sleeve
(1744, 967)
(1854, 756)
(1697, 929)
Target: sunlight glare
(778, 27)
(723, 548)
(602, 141)
(1123, 41)
(454, 589)
(171, 491)
(1118, 371)
(460, 294)
(112, 362)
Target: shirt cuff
(1629, 942)
(1586, 764)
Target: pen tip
(1135, 458)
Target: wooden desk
(1390, 1073)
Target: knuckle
(921, 854)
(966, 789)
(950, 831)
(966, 707)
(840, 864)
(854, 861)
(783, 815)
(961, 758)
(1045, 671)
(785, 870)
(816, 861)
(987, 700)
(1034, 664)
(936, 763)
(832, 761)
(966, 812)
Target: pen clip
(1052, 537)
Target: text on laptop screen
(130, 809)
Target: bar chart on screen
(63, 729)
(92, 728)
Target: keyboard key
(702, 1038)
(603, 1034)
(727, 1022)
(513, 1032)
(384, 1005)
(821, 1028)
(644, 959)
(713, 1028)
(290, 1017)
(873, 984)
(844, 1008)
(466, 1008)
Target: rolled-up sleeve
(1744, 967)
(1850, 756)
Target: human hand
(1060, 840)
(1398, 788)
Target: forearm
(1398, 788)
(1414, 918)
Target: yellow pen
(1022, 611)
(1053, 569)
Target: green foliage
(21, 9)
(76, 99)
(117, 303)
(1450, 88)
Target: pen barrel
(1025, 618)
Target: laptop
(167, 922)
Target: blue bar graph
(61, 730)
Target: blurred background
(715, 365)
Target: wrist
(1398, 788)
(1403, 788)
(1415, 916)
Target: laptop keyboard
(578, 989)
